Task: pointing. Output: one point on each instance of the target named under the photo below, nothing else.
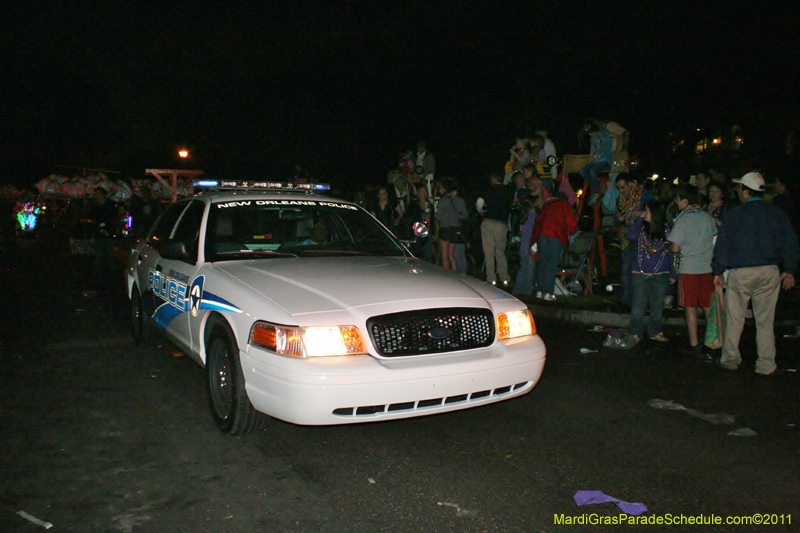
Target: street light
(183, 153)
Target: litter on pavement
(34, 520)
(586, 497)
(743, 432)
(460, 512)
(714, 418)
(588, 350)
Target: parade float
(68, 201)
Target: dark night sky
(342, 87)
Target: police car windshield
(290, 228)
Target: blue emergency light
(262, 185)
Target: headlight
(318, 341)
(515, 324)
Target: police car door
(175, 272)
(147, 256)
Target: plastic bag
(620, 340)
(715, 323)
(611, 196)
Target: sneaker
(539, 295)
(593, 199)
(698, 349)
(659, 337)
(549, 297)
(730, 367)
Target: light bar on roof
(263, 185)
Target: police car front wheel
(230, 407)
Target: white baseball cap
(752, 180)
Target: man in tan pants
(755, 241)
(494, 206)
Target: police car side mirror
(420, 230)
(176, 250)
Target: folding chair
(575, 262)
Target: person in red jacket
(555, 224)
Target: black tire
(140, 327)
(227, 398)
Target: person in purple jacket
(652, 270)
(633, 196)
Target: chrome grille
(431, 331)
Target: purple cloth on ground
(586, 497)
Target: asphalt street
(99, 435)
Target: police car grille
(431, 331)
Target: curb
(619, 320)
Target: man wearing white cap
(758, 247)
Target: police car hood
(323, 284)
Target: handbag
(715, 323)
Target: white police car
(305, 308)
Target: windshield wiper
(255, 253)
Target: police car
(305, 308)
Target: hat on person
(752, 180)
(421, 144)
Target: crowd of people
(528, 189)
(678, 239)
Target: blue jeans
(550, 250)
(591, 173)
(628, 257)
(527, 269)
(648, 290)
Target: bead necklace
(630, 202)
(648, 248)
(627, 206)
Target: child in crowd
(652, 270)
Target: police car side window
(166, 222)
(188, 229)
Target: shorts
(451, 234)
(694, 290)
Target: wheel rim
(220, 377)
